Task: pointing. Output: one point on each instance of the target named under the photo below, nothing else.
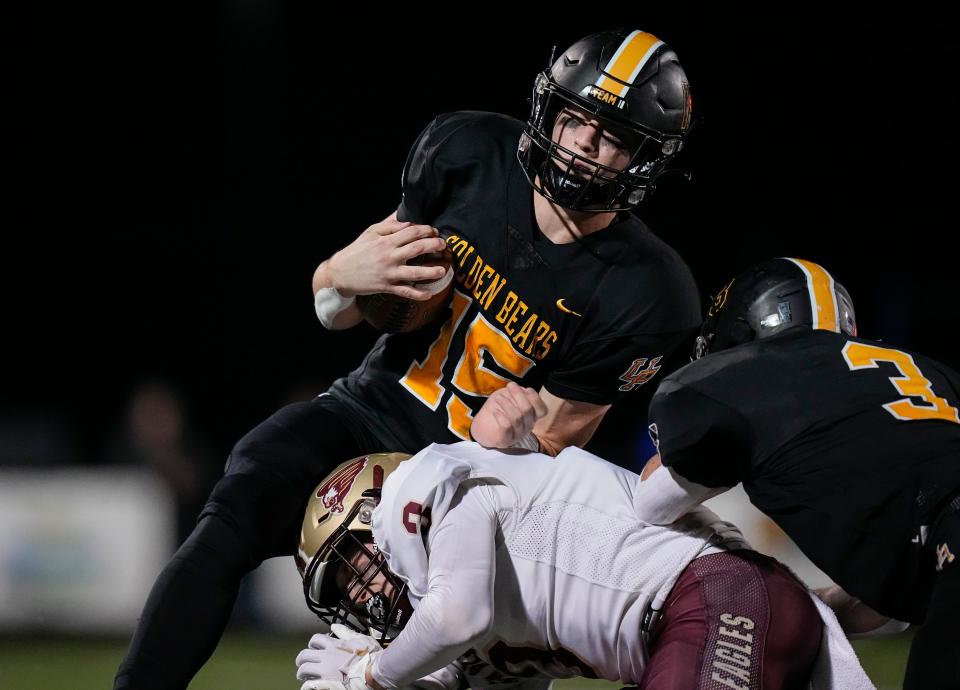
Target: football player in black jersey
(564, 303)
(850, 445)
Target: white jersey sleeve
(457, 607)
(415, 496)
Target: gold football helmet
(345, 577)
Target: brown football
(393, 314)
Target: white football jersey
(577, 576)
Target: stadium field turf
(265, 662)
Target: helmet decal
(627, 61)
(596, 93)
(720, 300)
(823, 295)
(688, 107)
(333, 491)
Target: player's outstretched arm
(457, 612)
(375, 262)
(663, 495)
(566, 422)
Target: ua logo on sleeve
(639, 372)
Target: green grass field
(265, 662)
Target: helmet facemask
(348, 582)
(721, 333)
(577, 182)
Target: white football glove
(336, 663)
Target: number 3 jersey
(592, 320)
(537, 564)
(849, 445)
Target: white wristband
(329, 302)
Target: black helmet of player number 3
(627, 79)
(345, 577)
(772, 297)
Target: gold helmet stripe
(627, 62)
(823, 295)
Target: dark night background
(180, 172)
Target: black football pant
(254, 513)
(934, 662)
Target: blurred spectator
(156, 434)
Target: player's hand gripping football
(337, 661)
(376, 262)
(507, 417)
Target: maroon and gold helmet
(345, 577)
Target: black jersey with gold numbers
(591, 320)
(851, 446)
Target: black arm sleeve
(702, 439)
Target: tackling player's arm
(703, 449)
(375, 262)
(457, 611)
(663, 495)
(856, 618)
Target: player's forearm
(856, 618)
(457, 612)
(335, 309)
(553, 440)
(431, 640)
(566, 423)
(663, 495)
(446, 678)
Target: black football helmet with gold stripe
(630, 81)
(771, 297)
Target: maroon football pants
(735, 620)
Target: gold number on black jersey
(912, 383)
(423, 379)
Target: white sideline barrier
(279, 592)
(80, 548)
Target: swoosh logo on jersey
(562, 307)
